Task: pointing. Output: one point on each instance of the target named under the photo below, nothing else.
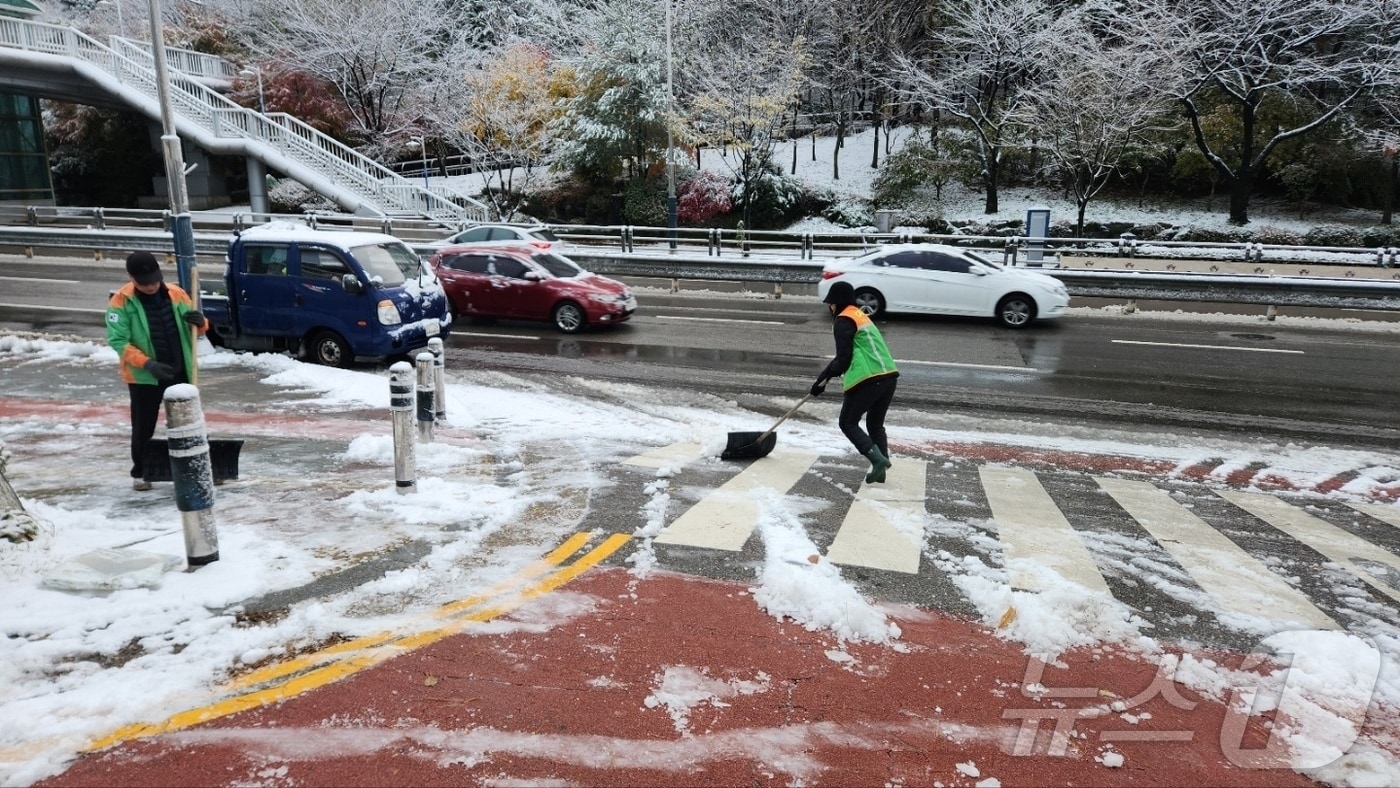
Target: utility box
(1037, 230)
(884, 221)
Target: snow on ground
(856, 178)
(66, 680)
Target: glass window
(265, 260)
(905, 260)
(472, 236)
(504, 234)
(467, 263)
(508, 266)
(322, 264)
(558, 266)
(391, 263)
(937, 261)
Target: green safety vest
(870, 357)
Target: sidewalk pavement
(579, 670)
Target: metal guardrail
(1130, 285)
(717, 242)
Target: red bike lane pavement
(664, 679)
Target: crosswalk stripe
(1339, 545)
(1386, 514)
(1236, 580)
(1032, 529)
(884, 527)
(724, 519)
(674, 455)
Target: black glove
(163, 371)
(819, 387)
(195, 318)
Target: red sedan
(521, 282)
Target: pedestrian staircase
(126, 70)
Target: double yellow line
(291, 678)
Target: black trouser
(871, 399)
(145, 410)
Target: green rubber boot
(878, 464)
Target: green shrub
(644, 202)
(1268, 234)
(289, 196)
(850, 212)
(1333, 235)
(775, 200)
(1380, 235)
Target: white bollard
(193, 473)
(439, 378)
(426, 409)
(401, 413)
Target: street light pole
(121, 23)
(174, 166)
(670, 151)
(422, 144)
(256, 71)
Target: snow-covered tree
(1090, 110)
(978, 64)
(1279, 68)
(499, 115)
(739, 95)
(615, 125)
(376, 53)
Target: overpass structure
(65, 64)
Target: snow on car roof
(288, 231)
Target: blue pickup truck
(332, 297)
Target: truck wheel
(568, 317)
(330, 349)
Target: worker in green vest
(868, 374)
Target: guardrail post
(99, 221)
(401, 414)
(386, 226)
(31, 213)
(311, 221)
(1127, 245)
(1131, 307)
(1008, 252)
(777, 290)
(1271, 313)
(807, 244)
(238, 222)
(167, 220)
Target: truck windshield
(391, 263)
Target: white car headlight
(388, 313)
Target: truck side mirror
(351, 284)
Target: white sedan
(932, 279)
(539, 236)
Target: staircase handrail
(297, 142)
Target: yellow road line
(381, 650)
(322, 656)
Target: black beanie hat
(840, 294)
(143, 268)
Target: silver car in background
(933, 279)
